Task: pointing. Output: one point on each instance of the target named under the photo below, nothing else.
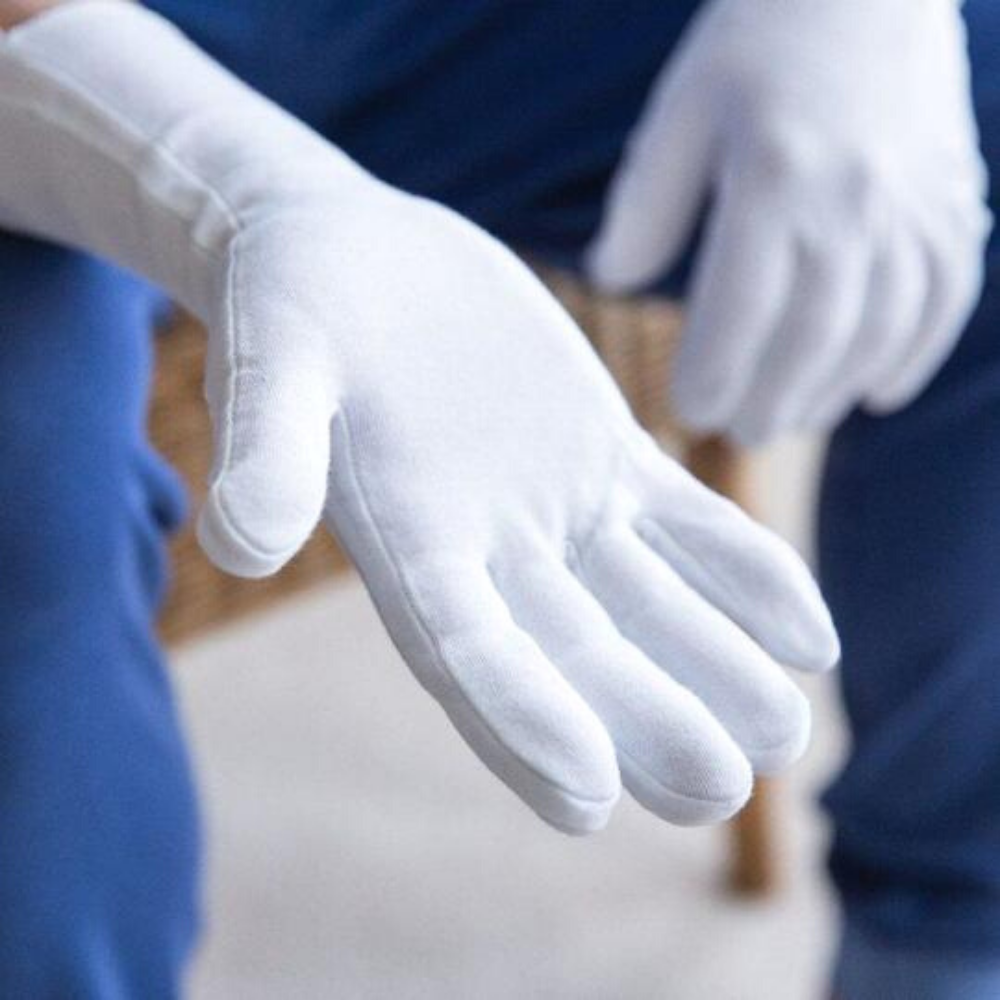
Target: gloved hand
(582, 609)
(843, 254)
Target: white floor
(359, 851)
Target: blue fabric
(866, 969)
(98, 830)
(910, 562)
(515, 114)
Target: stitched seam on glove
(605, 502)
(681, 559)
(231, 333)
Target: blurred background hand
(836, 144)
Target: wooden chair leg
(753, 867)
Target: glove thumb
(657, 191)
(271, 412)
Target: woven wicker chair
(634, 337)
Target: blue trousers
(98, 833)
(515, 114)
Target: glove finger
(892, 308)
(656, 193)
(741, 282)
(811, 338)
(271, 425)
(750, 574)
(955, 271)
(509, 703)
(674, 757)
(701, 648)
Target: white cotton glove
(584, 611)
(843, 255)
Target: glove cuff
(122, 138)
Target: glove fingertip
(818, 647)
(688, 809)
(700, 407)
(627, 255)
(610, 269)
(230, 549)
(889, 399)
